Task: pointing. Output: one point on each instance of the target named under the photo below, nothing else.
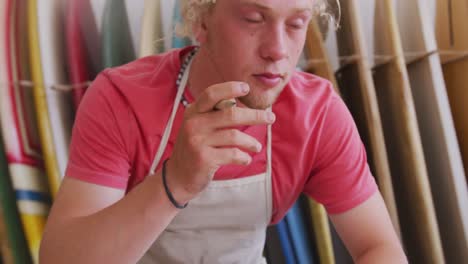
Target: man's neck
(203, 73)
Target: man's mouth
(269, 79)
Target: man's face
(258, 42)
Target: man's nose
(274, 45)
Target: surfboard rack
(447, 56)
(56, 87)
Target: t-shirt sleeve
(341, 178)
(98, 153)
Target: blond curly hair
(193, 10)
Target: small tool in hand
(223, 104)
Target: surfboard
(273, 251)
(452, 38)
(5, 250)
(329, 36)
(151, 32)
(52, 106)
(420, 231)
(285, 242)
(317, 56)
(77, 52)
(342, 255)
(20, 131)
(301, 242)
(358, 92)
(444, 162)
(14, 238)
(92, 37)
(117, 46)
(178, 42)
(319, 65)
(59, 100)
(135, 11)
(14, 233)
(167, 13)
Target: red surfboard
(79, 22)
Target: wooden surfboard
(318, 64)
(358, 91)
(117, 46)
(317, 56)
(20, 131)
(151, 32)
(452, 37)
(341, 254)
(444, 162)
(77, 52)
(420, 232)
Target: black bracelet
(169, 194)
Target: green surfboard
(117, 46)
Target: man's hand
(208, 139)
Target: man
(217, 175)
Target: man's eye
(297, 24)
(255, 18)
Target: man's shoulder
(146, 71)
(144, 84)
(141, 87)
(310, 83)
(307, 92)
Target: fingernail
(258, 147)
(245, 88)
(271, 117)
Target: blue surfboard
(178, 42)
(300, 240)
(286, 243)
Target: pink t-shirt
(316, 148)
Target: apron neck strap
(167, 132)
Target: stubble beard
(262, 101)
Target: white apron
(226, 223)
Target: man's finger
(219, 92)
(235, 156)
(234, 138)
(238, 116)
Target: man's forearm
(120, 233)
(383, 254)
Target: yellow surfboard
(40, 98)
(24, 163)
